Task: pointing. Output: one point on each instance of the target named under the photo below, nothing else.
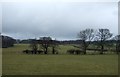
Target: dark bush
(26, 51)
(39, 52)
(32, 52)
(70, 51)
(73, 51)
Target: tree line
(87, 37)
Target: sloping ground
(17, 63)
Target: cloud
(59, 20)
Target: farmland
(17, 63)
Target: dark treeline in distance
(42, 45)
(101, 40)
(88, 39)
(6, 41)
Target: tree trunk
(32, 51)
(84, 47)
(53, 50)
(35, 52)
(102, 49)
(117, 48)
(85, 50)
(46, 50)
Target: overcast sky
(60, 20)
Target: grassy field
(17, 63)
(0, 61)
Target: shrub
(73, 51)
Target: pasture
(17, 63)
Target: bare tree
(102, 36)
(45, 43)
(54, 46)
(117, 43)
(34, 46)
(86, 36)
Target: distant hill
(6, 41)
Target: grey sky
(60, 20)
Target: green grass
(0, 61)
(17, 63)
